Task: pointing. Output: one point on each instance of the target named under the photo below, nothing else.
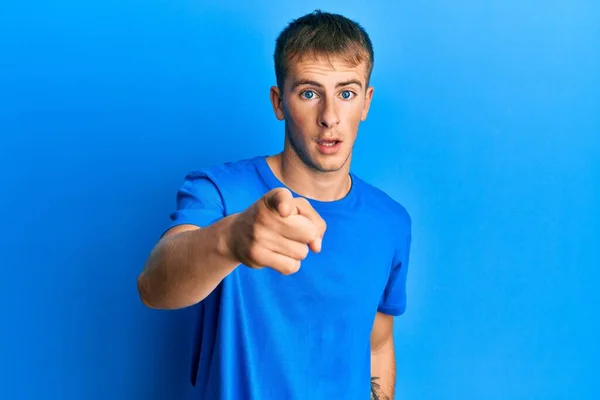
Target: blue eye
(308, 94)
(346, 94)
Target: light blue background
(485, 124)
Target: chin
(328, 163)
(316, 160)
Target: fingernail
(319, 243)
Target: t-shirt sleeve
(393, 299)
(198, 201)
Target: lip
(331, 149)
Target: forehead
(325, 69)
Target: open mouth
(329, 146)
(328, 143)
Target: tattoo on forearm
(376, 392)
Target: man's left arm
(383, 358)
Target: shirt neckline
(273, 182)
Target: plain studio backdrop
(485, 124)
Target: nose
(328, 117)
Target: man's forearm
(186, 267)
(383, 372)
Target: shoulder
(392, 217)
(216, 180)
(222, 172)
(234, 184)
(230, 178)
(391, 209)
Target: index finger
(280, 200)
(306, 209)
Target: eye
(308, 94)
(347, 94)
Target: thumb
(280, 200)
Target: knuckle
(305, 252)
(253, 253)
(260, 215)
(253, 233)
(302, 201)
(292, 268)
(260, 226)
(250, 253)
(301, 252)
(312, 233)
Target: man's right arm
(186, 265)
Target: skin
(321, 99)
(314, 107)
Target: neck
(298, 177)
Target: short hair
(322, 34)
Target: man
(296, 265)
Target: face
(322, 103)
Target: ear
(368, 97)
(277, 102)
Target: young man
(296, 265)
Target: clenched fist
(277, 232)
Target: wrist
(224, 240)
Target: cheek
(299, 117)
(354, 114)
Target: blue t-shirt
(306, 336)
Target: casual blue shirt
(306, 336)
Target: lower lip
(329, 149)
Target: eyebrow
(317, 84)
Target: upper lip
(328, 140)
